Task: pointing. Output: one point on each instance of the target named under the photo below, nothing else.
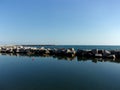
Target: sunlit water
(48, 73)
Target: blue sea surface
(107, 47)
(52, 73)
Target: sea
(83, 47)
(21, 72)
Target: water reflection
(95, 60)
(64, 58)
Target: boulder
(111, 56)
(43, 51)
(60, 52)
(20, 50)
(106, 53)
(3, 51)
(42, 48)
(79, 52)
(98, 55)
(100, 51)
(85, 53)
(47, 51)
(116, 53)
(11, 50)
(94, 51)
(72, 49)
(70, 52)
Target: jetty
(65, 52)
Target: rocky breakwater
(69, 52)
(95, 53)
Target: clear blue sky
(74, 22)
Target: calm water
(56, 73)
(83, 47)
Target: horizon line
(63, 44)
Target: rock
(44, 51)
(27, 50)
(42, 48)
(9, 50)
(89, 54)
(20, 50)
(84, 53)
(79, 52)
(51, 52)
(47, 51)
(60, 52)
(100, 51)
(70, 52)
(35, 51)
(95, 51)
(111, 56)
(98, 55)
(71, 49)
(116, 53)
(106, 53)
(3, 51)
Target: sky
(60, 22)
